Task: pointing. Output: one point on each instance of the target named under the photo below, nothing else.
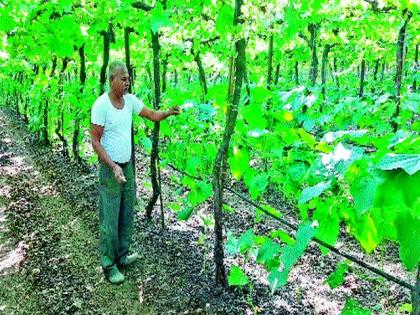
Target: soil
(174, 274)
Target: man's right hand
(119, 175)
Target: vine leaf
(246, 241)
(237, 277)
(268, 252)
(336, 279)
(408, 162)
(363, 190)
(224, 21)
(290, 255)
(352, 308)
(409, 238)
(313, 191)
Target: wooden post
(231, 116)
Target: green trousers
(116, 215)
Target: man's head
(119, 80)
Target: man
(111, 120)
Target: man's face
(121, 82)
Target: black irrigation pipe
(320, 242)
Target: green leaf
(366, 233)
(237, 277)
(363, 190)
(277, 279)
(254, 116)
(258, 185)
(399, 192)
(336, 279)
(259, 94)
(297, 171)
(292, 19)
(408, 162)
(313, 191)
(405, 308)
(228, 209)
(185, 213)
(316, 5)
(268, 251)
(352, 308)
(283, 236)
(65, 5)
(246, 240)
(307, 138)
(224, 21)
(232, 246)
(192, 165)
(290, 255)
(147, 143)
(59, 46)
(7, 23)
(159, 18)
(239, 162)
(201, 192)
(328, 221)
(409, 237)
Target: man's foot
(128, 259)
(114, 275)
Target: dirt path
(48, 251)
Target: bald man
(111, 121)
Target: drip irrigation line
(320, 242)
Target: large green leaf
(399, 192)
(254, 116)
(408, 162)
(268, 251)
(328, 223)
(292, 19)
(363, 190)
(366, 232)
(290, 255)
(409, 239)
(200, 193)
(313, 191)
(277, 279)
(60, 46)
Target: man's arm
(157, 116)
(96, 133)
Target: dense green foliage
(321, 120)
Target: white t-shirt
(116, 138)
